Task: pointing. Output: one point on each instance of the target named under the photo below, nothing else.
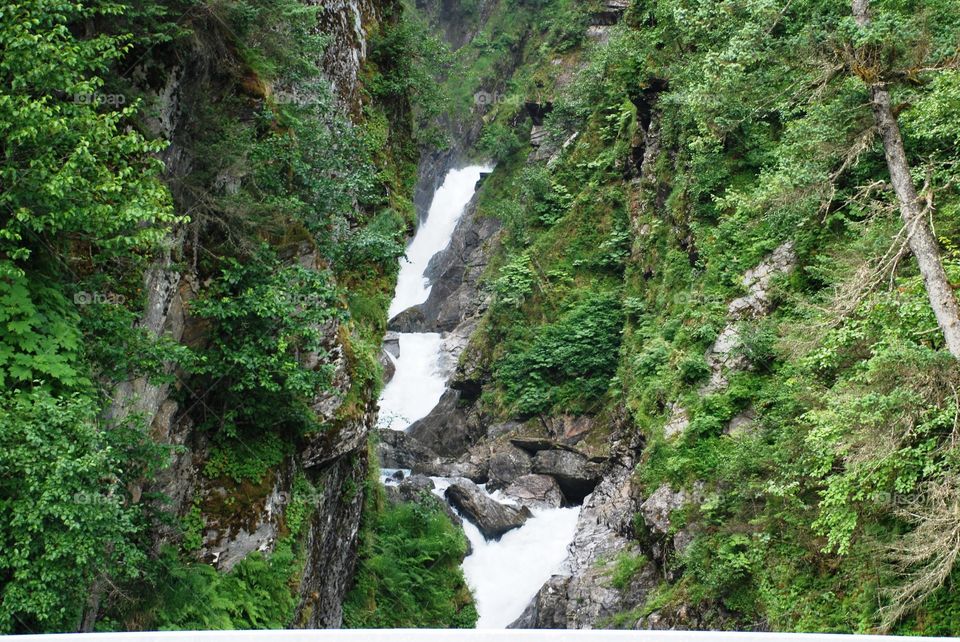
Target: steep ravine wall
(239, 519)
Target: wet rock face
(491, 517)
(331, 544)
(576, 475)
(450, 429)
(506, 464)
(396, 449)
(535, 491)
(454, 273)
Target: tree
(922, 242)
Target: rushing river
(504, 575)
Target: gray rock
(473, 469)
(535, 491)
(724, 355)
(410, 320)
(491, 517)
(506, 464)
(678, 422)
(389, 367)
(576, 474)
(450, 428)
(391, 344)
(455, 272)
(396, 449)
(743, 424)
(581, 596)
(548, 609)
(496, 430)
(414, 485)
(658, 506)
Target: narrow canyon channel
(505, 573)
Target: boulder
(576, 474)
(396, 449)
(658, 506)
(535, 491)
(389, 367)
(495, 430)
(410, 320)
(389, 351)
(472, 468)
(506, 464)
(391, 344)
(414, 486)
(450, 428)
(491, 517)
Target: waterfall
(505, 574)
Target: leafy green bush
(68, 517)
(498, 141)
(268, 317)
(514, 282)
(567, 364)
(409, 574)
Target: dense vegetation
(683, 145)
(284, 212)
(835, 509)
(410, 573)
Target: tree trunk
(923, 244)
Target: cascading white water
(419, 380)
(418, 383)
(504, 575)
(433, 235)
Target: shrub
(568, 363)
(409, 574)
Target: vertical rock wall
(334, 461)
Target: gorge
(538, 314)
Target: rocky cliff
(239, 518)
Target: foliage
(65, 481)
(71, 169)
(568, 363)
(409, 574)
(255, 594)
(269, 322)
